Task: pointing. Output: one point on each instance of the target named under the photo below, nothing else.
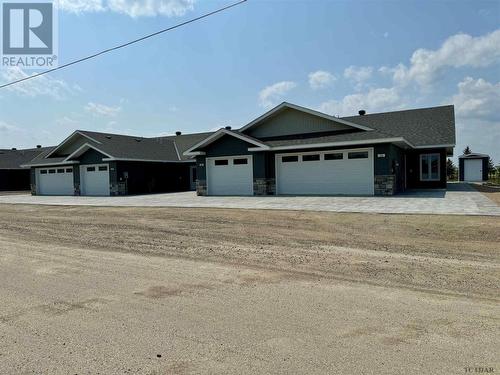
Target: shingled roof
(14, 159)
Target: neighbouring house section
(473, 167)
(292, 150)
(101, 164)
(14, 177)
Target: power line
(124, 44)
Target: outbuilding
(473, 167)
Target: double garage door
(348, 172)
(94, 180)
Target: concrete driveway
(458, 199)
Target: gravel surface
(90, 290)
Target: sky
(334, 56)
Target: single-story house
(101, 164)
(473, 167)
(14, 177)
(292, 150)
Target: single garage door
(230, 175)
(473, 170)
(55, 181)
(348, 172)
(94, 179)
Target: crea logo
(29, 35)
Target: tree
(451, 170)
(491, 166)
(467, 150)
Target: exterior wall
(291, 121)
(14, 179)
(72, 146)
(461, 163)
(413, 169)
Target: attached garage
(55, 181)
(343, 172)
(94, 179)
(230, 175)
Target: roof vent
(178, 133)
(38, 146)
(362, 112)
(14, 149)
(228, 128)
(138, 140)
(108, 137)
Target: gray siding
(227, 146)
(291, 121)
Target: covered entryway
(345, 172)
(94, 179)
(473, 170)
(55, 181)
(230, 175)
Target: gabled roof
(221, 133)
(473, 156)
(14, 159)
(285, 105)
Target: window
(240, 161)
(52, 171)
(429, 167)
(90, 169)
(289, 159)
(69, 170)
(60, 170)
(43, 171)
(358, 155)
(314, 157)
(336, 156)
(221, 162)
(103, 168)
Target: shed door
(94, 179)
(55, 181)
(348, 172)
(473, 170)
(230, 175)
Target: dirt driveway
(162, 290)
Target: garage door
(348, 172)
(473, 170)
(55, 181)
(94, 179)
(230, 175)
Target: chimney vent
(38, 146)
(228, 128)
(178, 133)
(14, 149)
(362, 112)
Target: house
(292, 150)
(100, 164)
(14, 177)
(473, 167)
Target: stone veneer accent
(264, 186)
(33, 189)
(385, 184)
(118, 189)
(201, 187)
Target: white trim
(50, 164)
(435, 146)
(306, 110)
(429, 167)
(68, 138)
(149, 160)
(87, 146)
(221, 132)
(335, 144)
(177, 151)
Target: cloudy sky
(334, 56)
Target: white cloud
(321, 79)
(12, 136)
(477, 98)
(270, 94)
(132, 8)
(40, 86)
(375, 100)
(457, 51)
(102, 110)
(358, 74)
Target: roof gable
(196, 149)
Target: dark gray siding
(91, 157)
(14, 179)
(227, 146)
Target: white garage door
(230, 175)
(473, 170)
(55, 181)
(94, 179)
(348, 172)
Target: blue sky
(334, 56)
